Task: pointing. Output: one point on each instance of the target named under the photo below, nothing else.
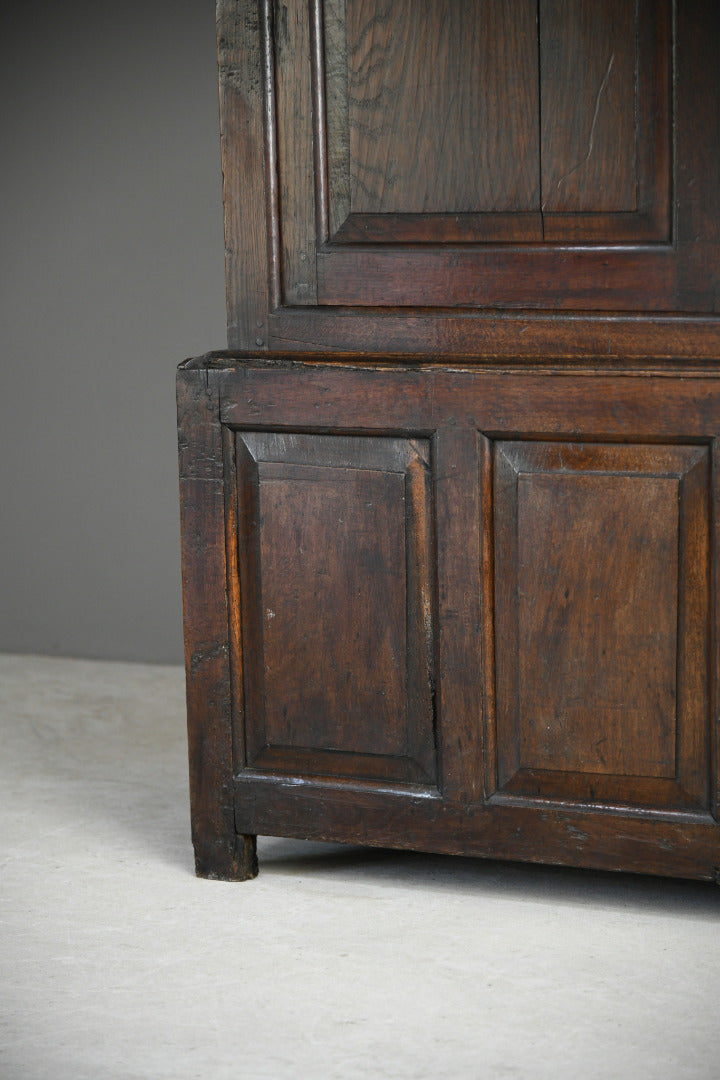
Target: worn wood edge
(232, 860)
(205, 626)
(234, 361)
(248, 191)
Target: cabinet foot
(231, 860)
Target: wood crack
(591, 139)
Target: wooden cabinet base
(454, 607)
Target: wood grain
(219, 852)
(597, 584)
(588, 68)
(687, 846)
(607, 156)
(595, 517)
(243, 141)
(586, 279)
(601, 579)
(503, 337)
(442, 106)
(663, 259)
(294, 110)
(460, 682)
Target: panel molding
(300, 501)
(643, 216)
(671, 516)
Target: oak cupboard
(449, 500)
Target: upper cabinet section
(537, 155)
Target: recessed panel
(335, 574)
(601, 622)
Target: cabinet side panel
(205, 616)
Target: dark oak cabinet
(450, 501)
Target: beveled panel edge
(650, 223)
(254, 756)
(684, 459)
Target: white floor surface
(336, 962)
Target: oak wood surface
(219, 852)
(602, 576)
(516, 337)
(442, 106)
(395, 818)
(244, 145)
(587, 52)
(619, 131)
(291, 35)
(338, 605)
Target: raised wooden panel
(601, 623)
(606, 158)
(335, 582)
(328, 534)
(442, 106)
(432, 126)
(556, 593)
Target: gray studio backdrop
(112, 272)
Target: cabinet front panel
(335, 574)
(602, 615)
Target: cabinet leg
(234, 859)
